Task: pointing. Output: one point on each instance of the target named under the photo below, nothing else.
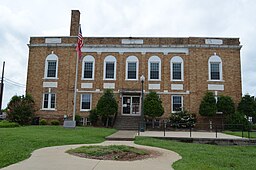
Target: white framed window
(49, 101)
(86, 101)
(177, 103)
(132, 67)
(88, 68)
(215, 68)
(51, 67)
(154, 68)
(110, 68)
(177, 69)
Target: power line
(9, 81)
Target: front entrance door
(131, 105)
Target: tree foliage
(153, 105)
(247, 106)
(226, 105)
(208, 105)
(21, 109)
(107, 105)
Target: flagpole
(75, 90)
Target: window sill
(177, 80)
(50, 78)
(215, 80)
(131, 79)
(85, 110)
(44, 109)
(154, 79)
(87, 79)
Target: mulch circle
(121, 156)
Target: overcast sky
(21, 19)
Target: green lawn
(245, 134)
(206, 157)
(16, 144)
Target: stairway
(127, 122)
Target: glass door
(131, 105)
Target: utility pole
(2, 88)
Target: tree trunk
(107, 122)
(153, 123)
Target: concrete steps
(127, 122)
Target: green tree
(225, 105)
(247, 106)
(153, 106)
(107, 105)
(208, 105)
(21, 109)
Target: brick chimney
(75, 21)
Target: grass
(105, 150)
(6, 124)
(239, 133)
(17, 144)
(206, 157)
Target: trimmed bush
(7, 124)
(182, 119)
(208, 105)
(78, 120)
(235, 119)
(42, 122)
(55, 122)
(226, 105)
(93, 116)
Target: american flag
(80, 43)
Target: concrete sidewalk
(55, 158)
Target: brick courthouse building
(180, 70)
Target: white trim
(154, 86)
(181, 103)
(86, 85)
(214, 59)
(81, 99)
(50, 57)
(49, 102)
(219, 87)
(176, 86)
(154, 59)
(50, 84)
(177, 59)
(88, 58)
(131, 59)
(109, 85)
(109, 58)
(134, 49)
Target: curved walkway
(55, 158)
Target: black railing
(197, 127)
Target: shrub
(107, 105)
(153, 106)
(247, 106)
(226, 105)
(43, 122)
(93, 117)
(237, 119)
(78, 120)
(21, 109)
(55, 122)
(182, 119)
(208, 105)
(7, 124)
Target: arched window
(110, 68)
(215, 68)
(51, 67)
(177, 69)
(132, 67)
(154, 68)
(88, 68)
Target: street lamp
(142, 80)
